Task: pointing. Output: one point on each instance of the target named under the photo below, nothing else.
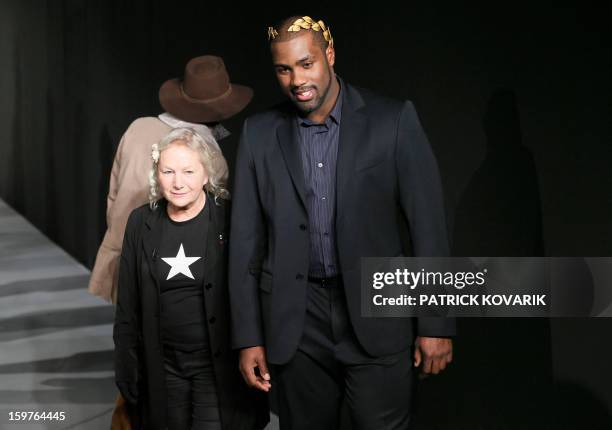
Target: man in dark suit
(321, 181)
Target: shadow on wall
(499, 213)
(501, 376)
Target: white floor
(55, 338)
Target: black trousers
(191, 390)
(330, 367)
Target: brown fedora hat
(205, 93)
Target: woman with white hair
(173, 360)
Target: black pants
(330, 367)
(190, 386)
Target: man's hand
(433, 352)
(251, 358)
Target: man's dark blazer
(386, 171)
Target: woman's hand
(129, 391)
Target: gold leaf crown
(306, 23)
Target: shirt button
(323, 198)
(208, 286)
(212, 320)
(319, 164)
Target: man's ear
(330, 53)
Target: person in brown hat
(202, 98)
(205, 94)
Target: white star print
(180, 264)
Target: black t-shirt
(180, 271)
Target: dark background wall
(515, 101)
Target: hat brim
(173, 101)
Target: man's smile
(304, 94)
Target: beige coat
(129, 189)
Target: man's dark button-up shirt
(319, 150)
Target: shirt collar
(218, 131)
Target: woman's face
(181, 175)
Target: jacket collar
(353, 131)
(353, 128)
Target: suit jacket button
(302, 227)
(299, 276)
(212, 320)
(208, 286)
(217, 353)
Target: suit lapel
(151, 240)
(214, 236)
(353, 130)
(290, 147)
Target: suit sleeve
(422, 201)
(246, 238)
(127, 330)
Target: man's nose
(297, 79)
